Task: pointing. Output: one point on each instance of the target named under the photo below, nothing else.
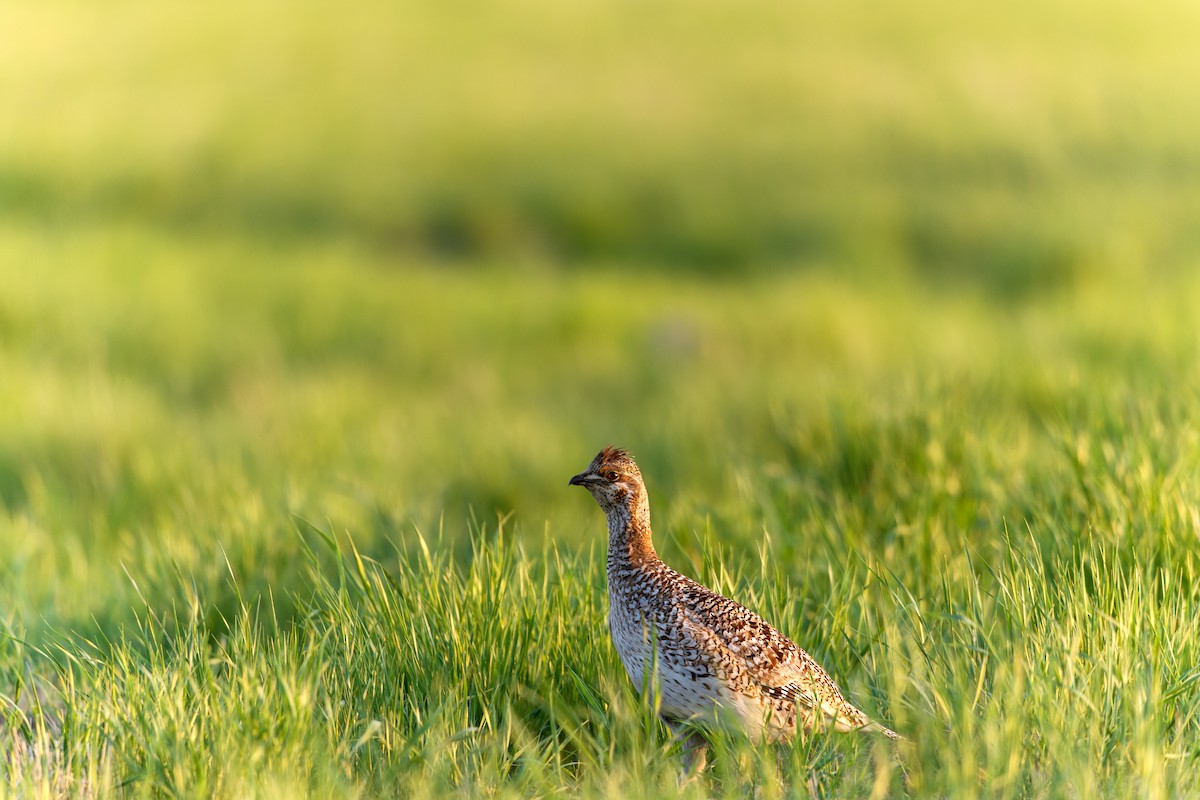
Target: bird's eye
(612, 475)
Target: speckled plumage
(716, 662)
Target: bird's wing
(772, 660)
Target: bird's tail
(875, 727)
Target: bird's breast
(631, 638)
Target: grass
(1011, 147)
(253, 545)
(308, 316)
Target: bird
(716, 662)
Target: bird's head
(613, 478)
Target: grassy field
(307, 316)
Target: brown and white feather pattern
(716, 661)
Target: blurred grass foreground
(307, 313)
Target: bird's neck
(629, 540)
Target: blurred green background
(872, 274)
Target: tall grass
(978, 516)
(420, 674)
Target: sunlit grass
(414, 674)
(979, 516)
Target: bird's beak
(579, 480)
